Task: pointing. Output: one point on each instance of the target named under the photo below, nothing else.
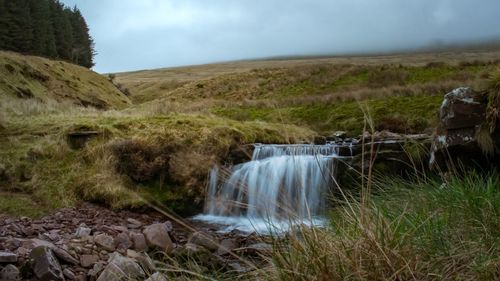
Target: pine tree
(46, 28)
(18, 21)
(3, 25)
(83, 46)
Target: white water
(282, 185)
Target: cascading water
(282, 184)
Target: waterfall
(280, 185)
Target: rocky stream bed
(90, 242)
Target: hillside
(319, 93)
(44, 80)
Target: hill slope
(28, 77)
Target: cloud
(132, 34)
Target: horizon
(151, 34)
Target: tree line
(45, 28)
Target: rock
(69, 274)
(259, 248)
(82, 231)
(65, 256)
(190, 250)
(34, 243)
(122, 243)
(112, 273)
(156, 277)
(340, 134)
(127, 265)
(88, 260)
(7, 257)
(98, 268)
(138, 241)
(226, 246)
(205, 240)
(461, 116)
(10, 273)
(319, 140)
(45, 265)
(105, 241)
(157, 236)
(133, 223)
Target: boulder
(112, 273)
(105, 241)
(8, 257)
(10, 273)
(44, 264)
(122, 243)
(138, 241)
(461, 116)
(127, 265)
(205, 240)
(157, 236)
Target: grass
(31, 77)
(408, 231)
(399, 114)
(41, 163)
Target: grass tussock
(411, 231)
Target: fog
(145, 34)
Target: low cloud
(132, 34)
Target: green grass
(41, 163)
(43, 79)
(412, 114)
(409, 231)
(21, 205)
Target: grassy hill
(324, 94)
(44, 80)
(162, 139)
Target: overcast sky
(145, 34)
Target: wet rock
(44, 264)
(205, 240)
(10, 273)
(461, 115)
(69, 274)
(319, 140)
(105, 241)
(7, 257)
(340, 134)
(157, 236)
(227, 246)
(82, 231)
(157, 277)
(122, 243)
(65, 256)
(88, 260)
(127, 265)
(138, 241)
